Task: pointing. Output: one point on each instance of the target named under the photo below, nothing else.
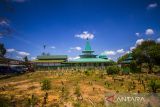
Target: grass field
(70, 88)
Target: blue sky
(113, 26)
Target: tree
(2, 50)
(25, 59)
(148, 52)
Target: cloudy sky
(114, 27)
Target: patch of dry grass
(93, 87)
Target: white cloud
(23, 53)
(11, 50)
(139, 41)
(128, 52)
(158, 40)
(153, 5)
(109, 53)
(149, 32)
(131, 48)
(19, 57)
(33, 58)
(137, 34)
(120, 51)
(53, 47)
(110, 58)
(4, 22)
(73, 58)
(76, 48)
(85, 35)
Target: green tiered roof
(88, 56)
(50, 58)
(128, 60)
(85, 60)
(48, 61)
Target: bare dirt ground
(25, 90)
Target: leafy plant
(77, 104)
(112, 70)
(32, 101)
(46, 84)
(77, 91)
(154, 85)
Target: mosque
(87, 59)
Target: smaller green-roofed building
(128, 60)
(88, 58)
(47, 60)
(126, 64)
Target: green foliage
(112, 70)
(46, 84)
(77, 104)
(65, 92)
(25, 59)
(4, 102)
(87, 72)
(134, 67)
(148, 52)
(154, 85)
(31, 102)
(77, 91)
(2, 50)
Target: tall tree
(148, 52)
(25, 59)
(2, 50)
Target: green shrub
(134, 67)
(46, 84)
(154, 85)
(77, 104)
(87, 73)
(31, 102)
(112, 70)
(4, 102)
(77, 91)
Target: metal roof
(85, 60)
(48, 61)
(50, 57)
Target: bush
(112, 70)
(46, 84)
(134, 67)
(77, 104)
(77, 91)
(87, 73)
(4, 102)
(32, 101)
(154, 85)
